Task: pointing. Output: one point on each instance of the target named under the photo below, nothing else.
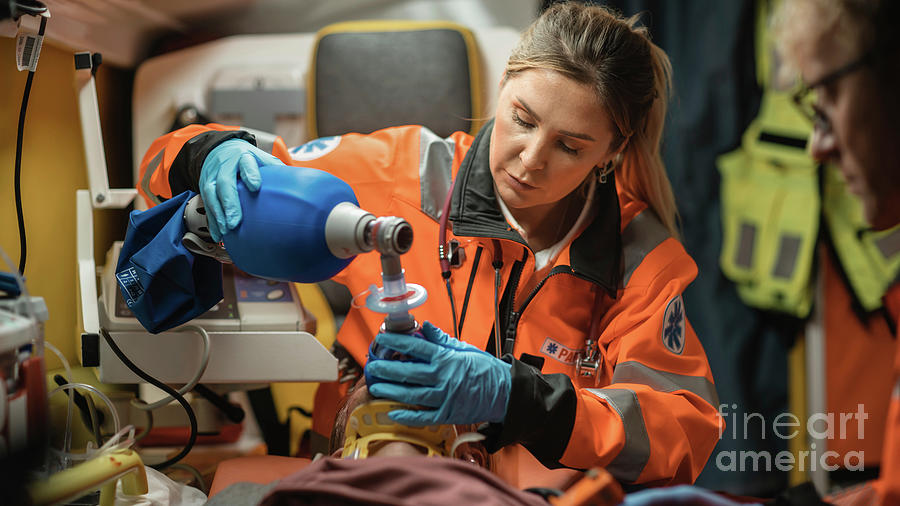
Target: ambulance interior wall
(53, 167)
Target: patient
(377, 461)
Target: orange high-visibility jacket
(886, 489)
(889, 480)
(649, 414)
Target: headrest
(370, 424)
(368, 75)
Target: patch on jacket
(315, 148)
(555, 350)
(673, 326)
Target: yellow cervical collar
(369, 423)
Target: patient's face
(395, 449)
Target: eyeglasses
(806, 100)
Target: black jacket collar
(596, 254)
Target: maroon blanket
(412, 481)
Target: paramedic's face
(862, 138)
(549, 133)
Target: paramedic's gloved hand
(218, 182)
(461, 383)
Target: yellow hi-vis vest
(770, 211)
(771, 205)
(870, 259)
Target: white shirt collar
(546, 256)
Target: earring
(602, 173)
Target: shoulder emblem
(673, 326)
(315, 148)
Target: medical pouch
(163, 283)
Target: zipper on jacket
(506, 308)
(510, 340)
(559, 269)
(512, 317)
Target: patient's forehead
(358, 395)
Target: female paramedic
(572, 274)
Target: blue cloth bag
(163, 283)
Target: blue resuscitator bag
(163, 283)
(282, 232)
(281, 236)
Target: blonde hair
(862, 25)
(798, 23)
(632, 79)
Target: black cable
(452, 309)
(475, 261)
(231, 411)
(18, 171)
(300, 410)
(165, 388)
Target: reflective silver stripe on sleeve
(663, 381)
(264, 140)
(630, 461)
(151, 169)
(435, 162)
(642, 234)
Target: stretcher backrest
(367, 75)
(260, 81)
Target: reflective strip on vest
(264, 140)
(630, 461)
(889, 245)
(870, 259)
(663, 381)
(148, 173)
(746, 241)
(788, 249)
(644, 233)
(435, 162)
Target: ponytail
(642, 173)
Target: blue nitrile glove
(218, 182)
(681, 494)
(460, 382)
